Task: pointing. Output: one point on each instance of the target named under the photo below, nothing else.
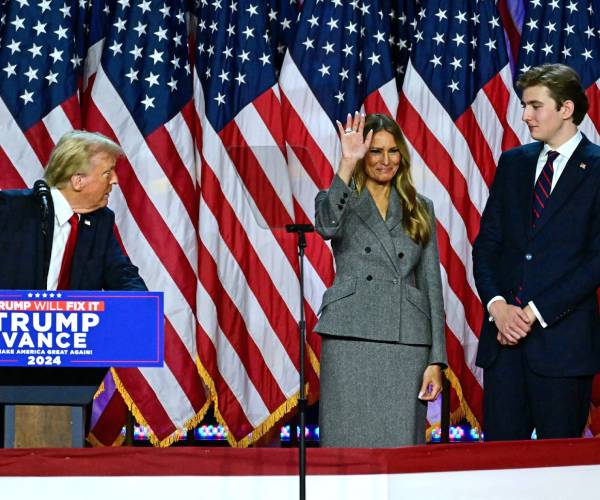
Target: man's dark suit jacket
(557, 263)
(98, 261)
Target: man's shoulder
(102, 216)
(533, 148)
(590, 149)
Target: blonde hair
(72, 154)
(415, 218)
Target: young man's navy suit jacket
(557, 264)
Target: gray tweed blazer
(387, 288)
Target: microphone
(42, 192)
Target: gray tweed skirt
(369, 394)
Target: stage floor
(544, 470)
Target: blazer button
(340, 207)
(369, 277)
(528, 256)
(345, 195)
(343, 200)
(400, 255)
(368, 249)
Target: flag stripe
(167, 156)
(165, 205)
(499, 96)
(375, 103)
(422, 106)
(227, 405)
(513, 112)
(150, 221)
(306, 148)
(57, 122)
(9, 176)
(441, 164)
(468, 126)
(512, 32)
(268, 106)
(146, 403)
(231, 323)
(40, 140)
(179, 361)
(457, 280)
(259, 281)
(104, 430)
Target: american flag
(248, 297)
(120, 68)
(459, 112)
(41, 63)
(225, 148)
(565, 32)
(141, 95)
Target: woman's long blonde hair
(415, 218)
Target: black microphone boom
(42, 193)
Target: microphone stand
(301, 230)
(42, 192)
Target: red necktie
(64, 278)
(541, 195)
(543, 185)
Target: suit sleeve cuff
(537, 314)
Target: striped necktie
(543, 186)
(541, 195)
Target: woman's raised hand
(354, 147)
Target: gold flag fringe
(314, 361)
(286, 407)
(463, 411)
(170, 439)
(96, 443)
(100, 390)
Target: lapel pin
(582, 166)
(87, 222)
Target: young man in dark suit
(537, 267)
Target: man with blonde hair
(62, 237)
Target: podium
(55, 349)
(47, 406)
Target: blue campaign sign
(81, 329)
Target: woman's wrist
(346, 169)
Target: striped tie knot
(552, 155)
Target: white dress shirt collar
(62, 209)
(566, 149)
